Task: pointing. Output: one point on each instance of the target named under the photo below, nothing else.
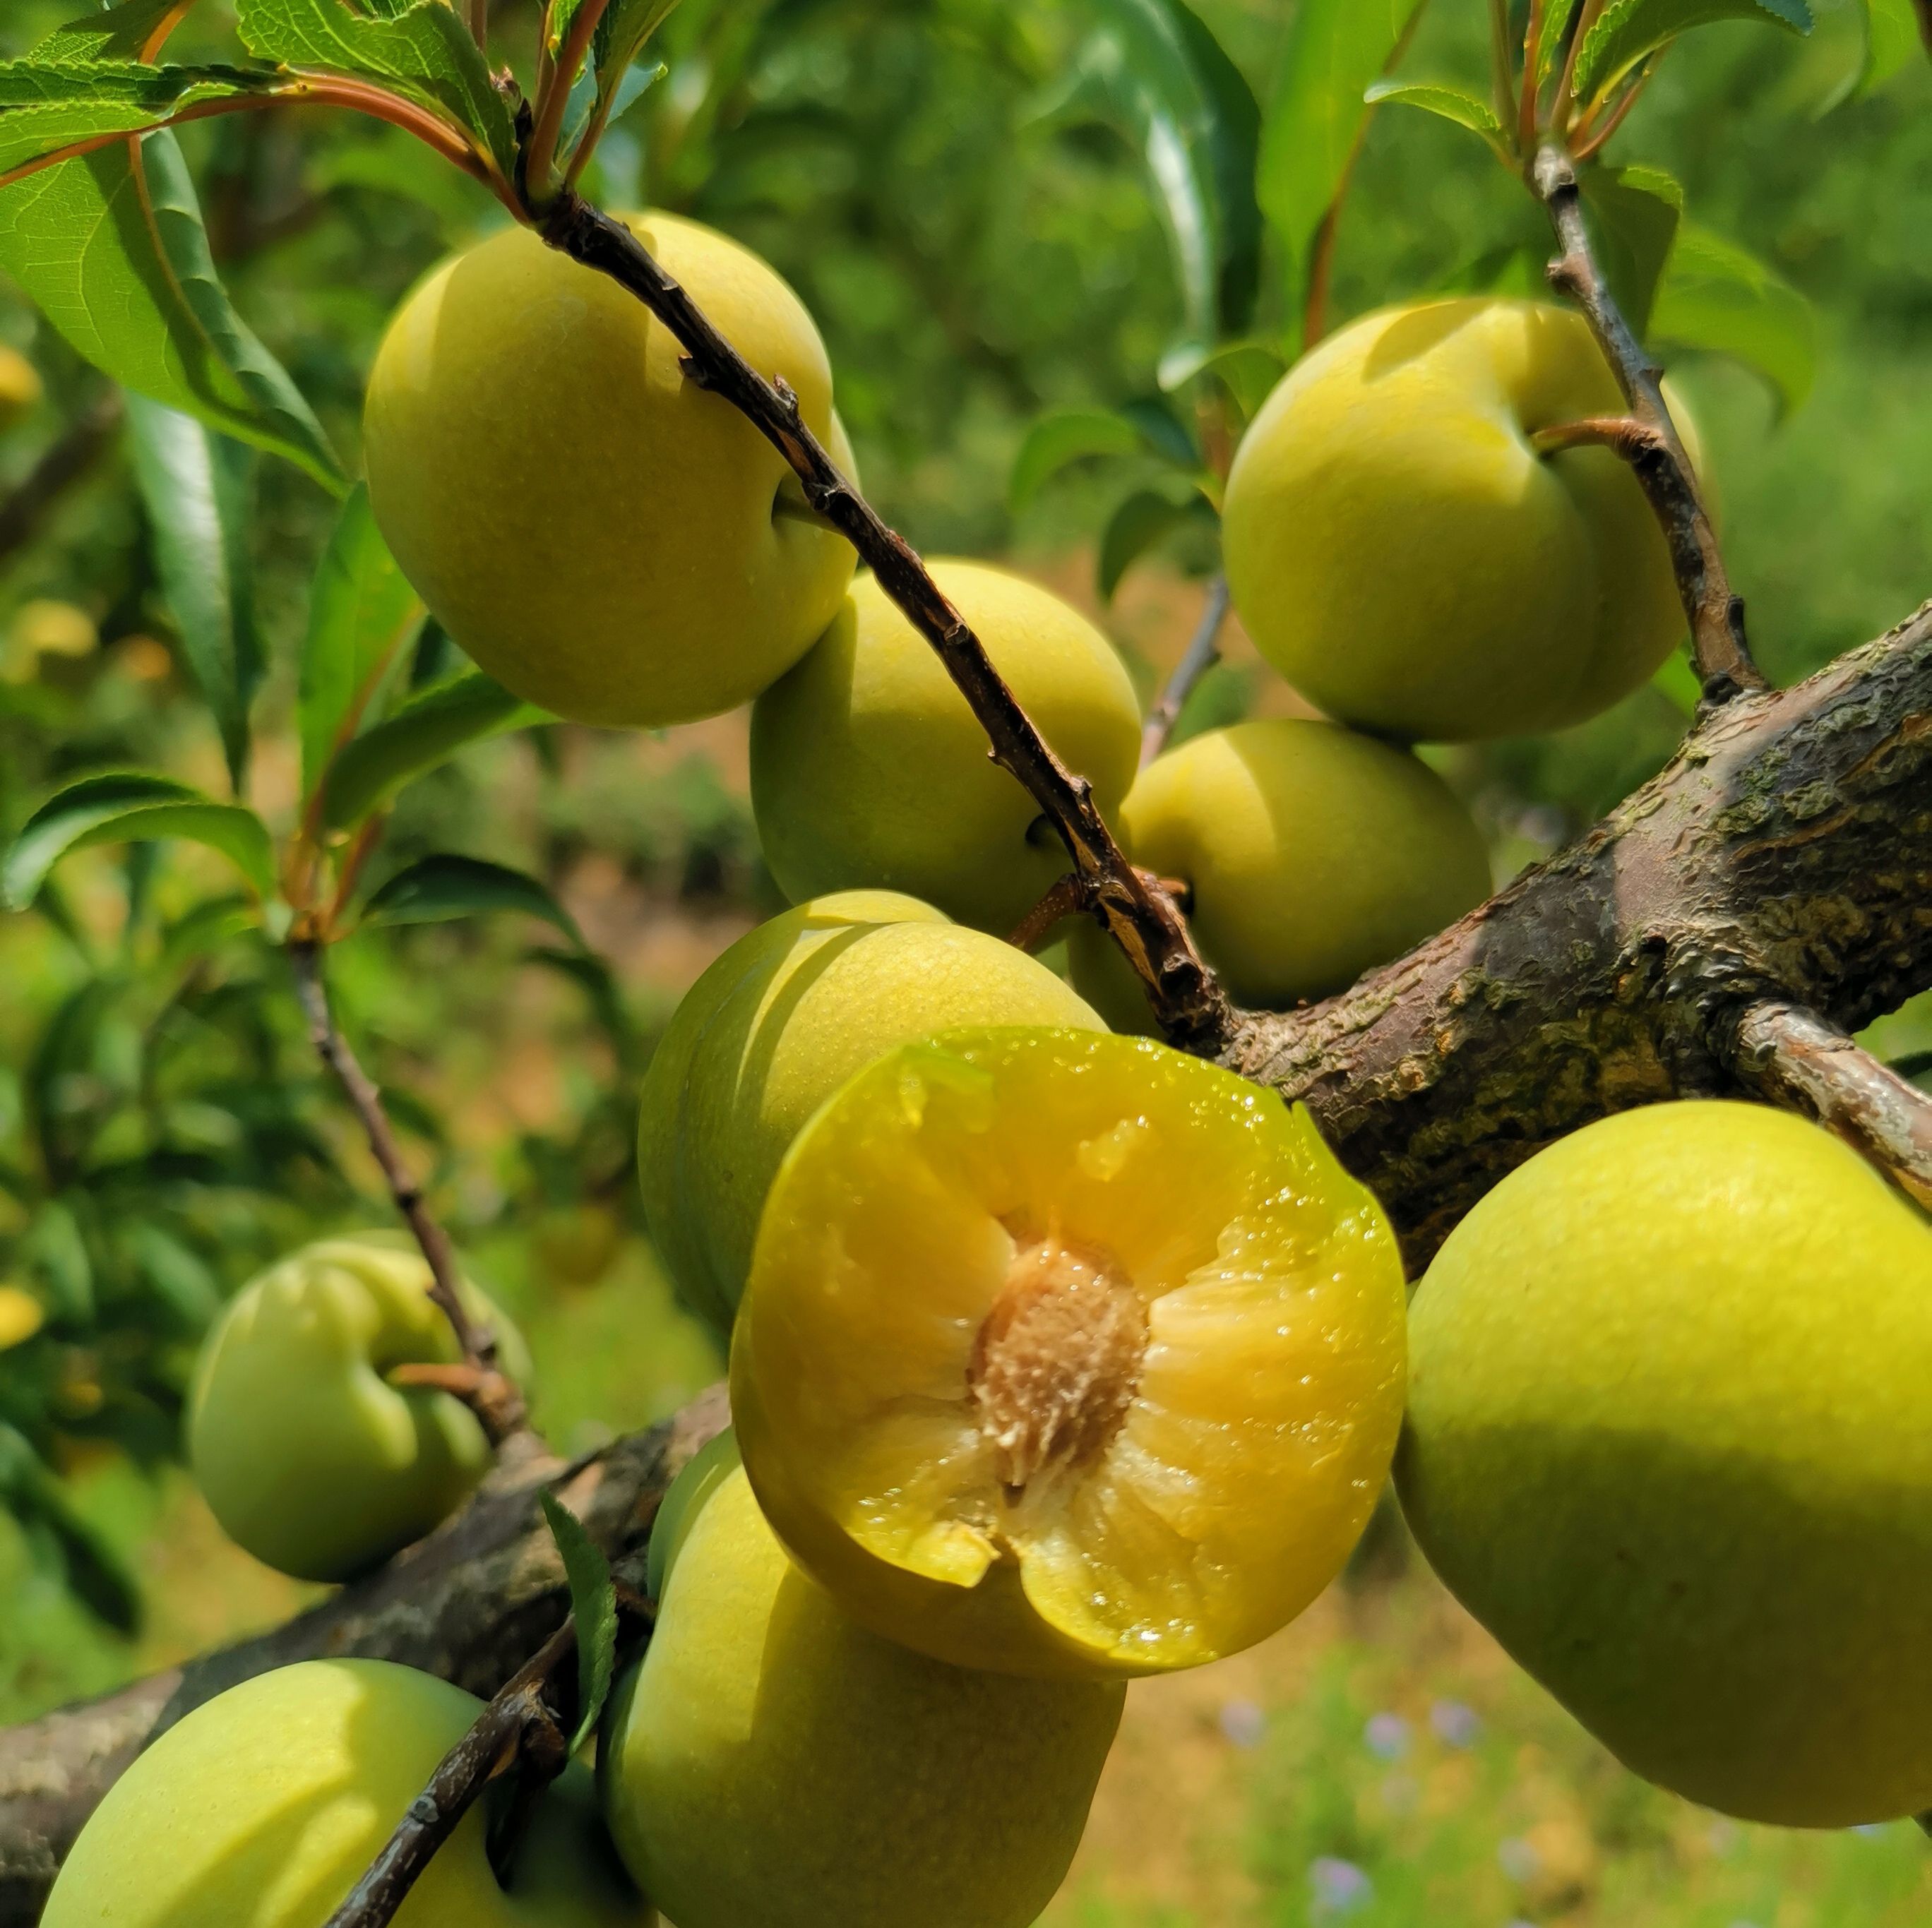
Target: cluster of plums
(1059, 1357)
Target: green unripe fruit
(1667, 1440)
(870, 771)
(306, 1453)
(1313, 854)
(771, 1762)
(1402, 553)
(263, 1808)
(603, 536)
(773, 1028)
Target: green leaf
(361, 613)
(1152, 69)
(198, 489)
(1145, 519)
(95, 1571)
(1335, 50)
(120, 32)
(627, 25)
(1715, 295)
(45, 106)
(1067, 436)
(1636, 210)
(1894, 40)
(1628, 32)
(1449, 104)
(423, 52)
(1248, 369)
(111, 247)
(438, 889)
(427, 730)
(593, 1600)
(132, 806)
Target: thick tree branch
(1717, 615)
(488, 1391)
(1793, 1057)
(1784, 856)
(1203, 653)
(470, 1604)
(1192, 1008)
(69, 460)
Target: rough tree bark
(1782, 862)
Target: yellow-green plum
(771, 1762)
(307, 1454)
(1667, 1440)
(263, 1808)
(20, 389)
(599, 533)
(1312, 854)
(1403, 553)
(773, 1028)
(869, 770)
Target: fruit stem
(1796, 1058)
(1188, 999)
(1719, 643)
(1203, 653)
(494, 1398)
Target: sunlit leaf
(1448, 104)
(1628, 32)
(361, 611)
(439, 889)
(198, 489)
(129, 807)
(1715, 295)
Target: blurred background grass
(974, 263)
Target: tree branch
(69, 459)
(494, 1397)
(1203, 653)
(1793, 1057)
(1192, 1008)
(1717, 615)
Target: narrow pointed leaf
(1336, 49)
(1636, 211)
(426, 731)
(439, 889)
(423, 51)
(198, 488)
(593, 1600)
(1715, 295)
(1627, 32)
(132, 807)
(1449, 104)
(1894, 40)
(1144, 520)
(1057, 440)
(120, 32)
(361, 612)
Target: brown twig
(1067, 898)
(63, 465)
(1203, 653)
(1796, 1059)
(519, 1727)
(1717, 616)
(497, 1401)
(1192, 1008)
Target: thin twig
(1796, 1059)
(63, 465)
(1529, 104)
(1717, 616)
(553, 100)
(1592, 140)
(497, 1402)
(500, 1741)
(1203, 653)
(1187, 998)
(1581, 22)
(1067, 898)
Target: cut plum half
(1067, 1354)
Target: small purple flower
(1244, 1723)
(1386, 1737)
(1340, 1886)
(1456, 1725)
